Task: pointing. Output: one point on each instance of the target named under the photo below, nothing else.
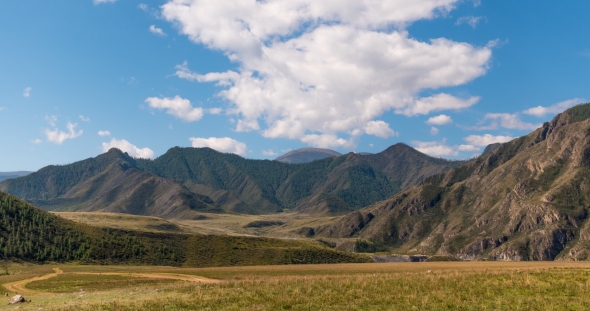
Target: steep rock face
(527, 200)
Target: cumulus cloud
(215, 110)
(221, 144)
(541, 111)
(58, 137)
(157, 31)
(327, 141)
(379, 129)
(103, 1)
(487, 139)
(269, 153)
(36, 141)
(435, 148)
(2, 108)
(438, 102)
(506, 120)
(178, 107)
(469, 20)
(104, 133)
(468, 148)
(440, 120)
(27, 92)
(83, 118)
(317, 70)
(434, 130)
(125, 146)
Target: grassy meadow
(395, 286)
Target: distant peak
(305, 155)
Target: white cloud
(51, 120)
(83, 118)
(434, 131)
(469, 20)
(36, 141)
(215, 110)
(440, 120)
(178, 107)
(327, 141)
(103, 1)
(221, 144)
(476, 3)
(269, 153)
(487, 139)
(438, 102)
(104, 133)
(435, 148)
(58, 137)
(541, 111)
(143, 6)
(379, 129)
(2, 108)
(125, 146)
(506, 120)
(27, 91)
(157, 31)
(311, 69)
(468, 148)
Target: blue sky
(261, 78)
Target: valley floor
(392, 286)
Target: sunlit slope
(527, 200)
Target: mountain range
(528, 199)
(185, 180)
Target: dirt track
(19, 286)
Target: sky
(261, 78)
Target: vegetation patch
(70, 283)
(264, 223)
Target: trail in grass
(19, 286)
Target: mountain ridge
(526, 200)
(205, 180)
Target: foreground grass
(408, 286)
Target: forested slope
(33, 235)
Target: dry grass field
(396, 286)
(206, 223)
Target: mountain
(9, 175)
(33, 235)
(201, 179)
(110, 182)
(305, 155)
(527, 200)
(490, 148)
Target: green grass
(73, 283)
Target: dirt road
(19, 286)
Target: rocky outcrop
(528, 199)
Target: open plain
(393, 286)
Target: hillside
(110, 182)
(201, 179)
(526, 200)
(33, 235)
(9, 175)
(305, 155)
